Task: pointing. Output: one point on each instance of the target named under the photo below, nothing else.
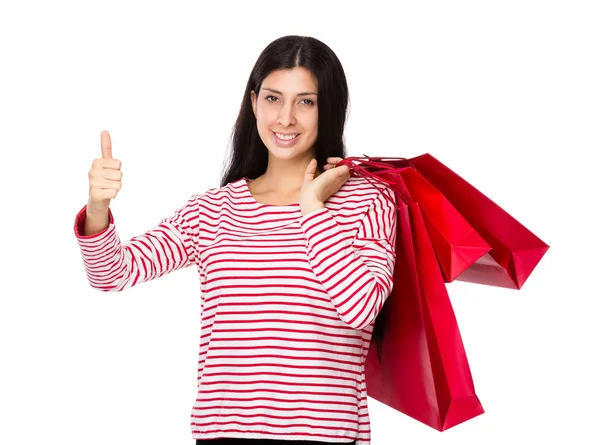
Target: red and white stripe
(288, 304)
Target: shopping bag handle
(372, 161)
(349, 162)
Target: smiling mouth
(286, 137)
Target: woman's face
(287, 103)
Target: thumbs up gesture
(104, 177)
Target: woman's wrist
(311, 206)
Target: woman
(295, 262)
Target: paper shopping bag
(423, 370)
(456, 243)
(515, 250)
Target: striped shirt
(288, 304)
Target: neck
(284, 176)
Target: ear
(253, 99)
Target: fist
(104, 177)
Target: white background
(505, 93)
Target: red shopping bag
(456, 243)
(423, 370)
(515, 250)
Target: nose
(286, 115)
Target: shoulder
(215, 197)
(361, 194)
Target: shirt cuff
(78, 227)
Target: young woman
(295, 261)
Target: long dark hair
(248, 155)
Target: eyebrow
(299, 94)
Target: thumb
(106, 144)
(343, 170)
(309, 173)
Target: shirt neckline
(244, 182)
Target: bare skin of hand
(104, 177)
(315, 191)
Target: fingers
(331, 162)
(309, 173)
(100, 174)
(111, 174)
(106, 144)
(311, 168)
(109, 163)
(104, 176)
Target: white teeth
(286, 138)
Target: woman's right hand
(104, 177)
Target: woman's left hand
(326, 184)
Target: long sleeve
(112, 266)
(357, 273)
